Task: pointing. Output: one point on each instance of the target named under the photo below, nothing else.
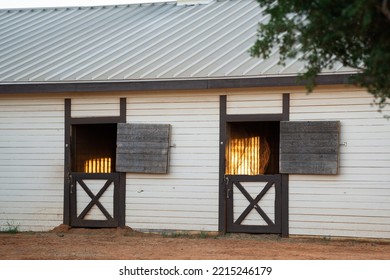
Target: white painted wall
(101, 105)
(254, 101)
(31, 162)
(187, 197)
(357, 201)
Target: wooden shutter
(310, 147)
(142, 148)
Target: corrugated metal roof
(161, 41)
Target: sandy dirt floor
(119, 244)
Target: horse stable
(155, 116)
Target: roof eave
(182, 84)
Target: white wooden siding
(187, 197)
(31, 162)
(96, 106)
(254, 102)
(357, 201)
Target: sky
(10, 4)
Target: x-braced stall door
(253, 186)
(94, 199)
(253, 203)
(95, 189)
(253, 193)
(94, 192)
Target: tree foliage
(323, 32)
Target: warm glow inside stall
(250, 151)
(94, 148)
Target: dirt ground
(119, 244)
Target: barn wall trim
(99, 86)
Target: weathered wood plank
(124, 146)
(310, 136)
(143, 136)
(309, 127)
(141, 128)
(147, 169)
(309, 147)
(146, 161)
(143, 148)
(314, 167)
(306, 157)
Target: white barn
(155, 117)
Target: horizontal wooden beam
(95, 120)
(254, 117)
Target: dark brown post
(222, 145)
(122, 176)
(66, 214)
(285, 181)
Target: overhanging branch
(385, 9)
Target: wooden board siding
(187, 197)
(143, 148)
(31, 162)
(309, 147)
(252, 102)
(96, 106)
(357, 201)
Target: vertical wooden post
(222, 145)
(123, 109)
(67, 163)
(285, 177)
(122, 176)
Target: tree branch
(385, 9)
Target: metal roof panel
(161, 41)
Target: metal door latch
(71, 185)
(71, 188)
(228, 193)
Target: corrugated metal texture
(134, 42)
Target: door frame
(69, 121)
(223, 122)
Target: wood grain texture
(309, 147)
(142, 148)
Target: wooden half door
(96, 192)
(253, 203)
(95, 199)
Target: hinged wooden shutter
(309, 147)
(142, 148)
